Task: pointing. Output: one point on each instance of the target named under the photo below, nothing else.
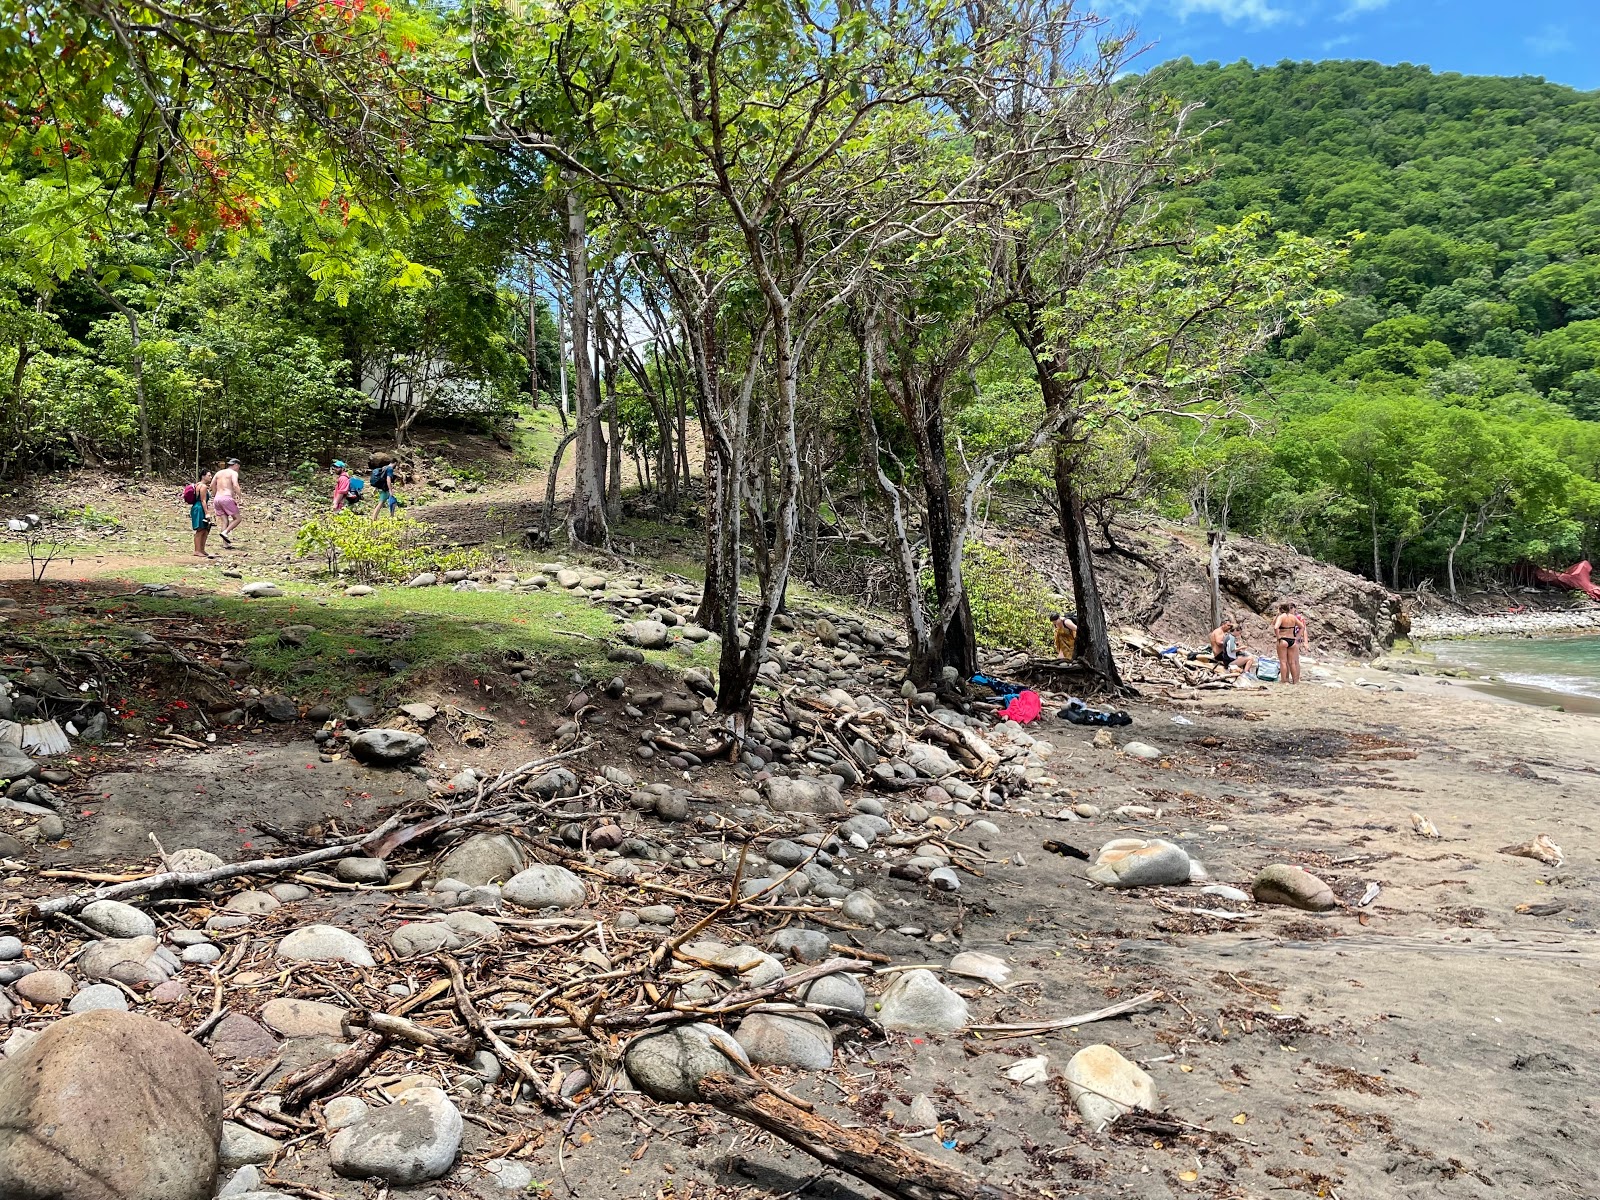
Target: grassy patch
(432, 630)
(535, 434)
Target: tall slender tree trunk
(613, 443)
(1450, 559)
(533, 337)
(957, 637)
(1214, 569)
(586, 521)
(1094, 637)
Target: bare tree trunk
(1094, 637)
(550, 485)
(586, 521)
(613, 443)
(533, 337)
(136, 360)
(1215, 570)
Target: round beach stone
(110, 1104)
(786, 1040)
(917, 1002)
(1293, 887)
(98, 996)
(303, 1018)
(545, 886)
(325, 943)
(669, 1064)
(1140, 862)
(44, 987)
(111, 918)
(411, 1141)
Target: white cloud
(1355, 8)
(1551, 39)
(1332, 44)
(1257, 12)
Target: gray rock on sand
(423, 937)
(111, 1105)
(411, 1141)
(1140, 862)
(786, 1040)
(113, 919)
(387, 747)
(860, 905)
(325, 943)
(241, 1146)
(917, 1002)
(1142, 750)
(802, 945)
(358, 869)
(192, 859)
(545, 886)
(483, 858)
(836, 991)
(98, 996)
(1294, 888)
(669, 1064)
(128, 960)
(1104, 1085)
(293, 1018)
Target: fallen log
(329, 1074)
(388, 1025)
(868, 1155)
(167, 880)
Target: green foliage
(1445, 401)
(376, 551)
(1010, 600)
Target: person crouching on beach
(1226, 652)
(1066, 635)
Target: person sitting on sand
(1066, 634)
(1286, 632)
(1225, 650)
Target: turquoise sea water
(1570, 665)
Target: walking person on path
(382, 480)
(198, 496)
(225, 497)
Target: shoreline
(1448, 626)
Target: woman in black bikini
(1286, 632)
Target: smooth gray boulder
(797, 1039)
(325, 943)
(411, 1141)
(918, 1003)
(111, 918)
(669, 1064)
(483, 858)
(1140, 862)
(387, 747)
(109, 1104)
(545, 886)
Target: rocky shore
(1438, 626)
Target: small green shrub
(374, 551)
(1011, 603)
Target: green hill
(1437, 397)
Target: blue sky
(1558, 39)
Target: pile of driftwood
(553, 998)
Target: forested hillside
(1449, 402)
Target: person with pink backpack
(197, 496)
